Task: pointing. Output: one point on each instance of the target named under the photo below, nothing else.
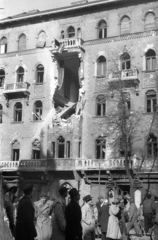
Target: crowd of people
(56, 220)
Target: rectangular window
(53, 149)
(36, 154)
(68, 149)
(16, 154)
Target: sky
(13, 7)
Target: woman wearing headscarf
(73, 217)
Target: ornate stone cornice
(122, 38)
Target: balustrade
(16, 86)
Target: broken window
(18, 112)
(102, 29)
(125, 25)
(151, 101)
(3, 45)
(38, 108)
(20, 74)
(39, 74)
(22, 42)
(100, 147)
(101, 105)
(150, 60)
(15, 150)
(152, 146)
(61, 147)
(2, 77)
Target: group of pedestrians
(54, 220)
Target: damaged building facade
(56, 73)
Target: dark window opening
(16, 154)
(2, 77)
(62, 35)
(102, 29)
(100, 148)
(122, 147)
(71, 32)
(1, 113)
(36, 154)
(37, 111)
(18, 112)
(126, 61)
(152, 147)
(20, 74)
(40, 74)
(101, 105)
(79, 149)
(61, 147)
(68, 149)
(53, 149)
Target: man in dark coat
(148, 210)
(73, 217)
(104, 217)
(25, 228)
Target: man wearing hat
(25, 228)
(88, 219)
(73, 217)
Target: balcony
(67, 45)
(125, 78)
(16, 90)
(75, 164)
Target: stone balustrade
(68, 43)
(127, 74)
(16, 86)
(74, 164)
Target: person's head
(148, 195)
(63, 192)
(28, 189)
(43, 197)
(74, 194)
(101, 198)
(88, 199)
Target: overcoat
(73, 221)
(113, 230)
(25, 228)
(88, 222)
(58, 218)
(104, 217)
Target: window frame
(102, 31)
(151, 99)
(3, 46)
(99, 147)
(20, 75)
(101, 67)
(2, 78)
(18, 112)
(22, 44)
(125, 61)
(128, 30)
(39, 75)
(149, 26)
(151, 59)
(101, 105)
(153, 145)
(15, 156)
(61, 152)
(71, 33)
(37, 110)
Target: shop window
(3, 45)
(18, 112)
(125, 25)
(102, 29)
(20, 75)
(61, 147)
(38, 109)
(1, 113)
(150, 60)
(100, 148)
(22, 42)
(149, 21)
(125, 61)
(39, 74)
(15, 151)
(41, 43)
(101, 105)
(36, 149)
(151, 101)
(71, 32)
(152, 146)
(2, 78)
(101, 66)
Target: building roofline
(56, 11)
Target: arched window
(18, 112)
(1, 113)
(61, 147)
(125, 25)
(151, 101)
(3, 45)
(2, 78)
(123, 144)
(40, 74)
(79, 33)
(15, 151)
(20, 74)
(102, 29)
(100, 147)
(101, 105)
(22, 42)
(149, 21)
(38, 108)
(62, 35)
(152, 146)
(41, 43)
(71, 32)
(36, 149)
(101, 66)
(125, 61)
(150, 60)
